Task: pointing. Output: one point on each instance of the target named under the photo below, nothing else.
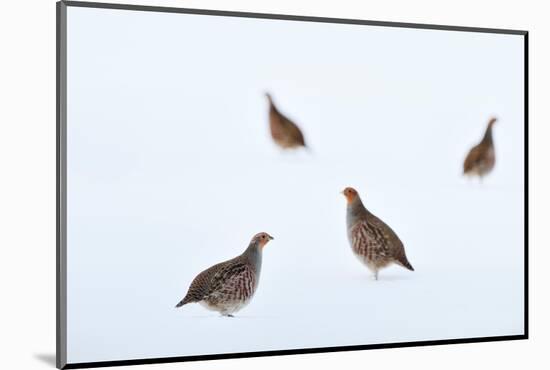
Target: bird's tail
(406, 264)
(185, 300)
(403, 261)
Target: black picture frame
(61, 176)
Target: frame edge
(61, 185)
(526, 182)
(288, 17)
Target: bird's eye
(263, 236)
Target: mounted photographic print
(237, 184)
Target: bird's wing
(233, 277)
(394, 244)
(473, 158)
(200, 286)
(293, 130)
(366, 234)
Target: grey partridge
(229, 286)
(373, 242)
(481, 158)
(285, 133)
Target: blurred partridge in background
(284, 132)
(229, 286)
(372, 241)
(481, 158)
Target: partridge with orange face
(481, 158)
(372, 241)
(284, 132)
(229, 286)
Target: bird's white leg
(375, 274)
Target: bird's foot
(228, 315)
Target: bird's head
(269, 98)
(350, 194)
(492, 121)
(261, 239)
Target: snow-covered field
(171, 169)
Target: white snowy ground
(171, 169)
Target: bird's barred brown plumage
(229, 286)
(367, 241)
(371, 240)
(285, 133)
(236, 282)
(481, 158)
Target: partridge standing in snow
(372, 241)
(481, 158)
(229, 286)
(284, 132)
